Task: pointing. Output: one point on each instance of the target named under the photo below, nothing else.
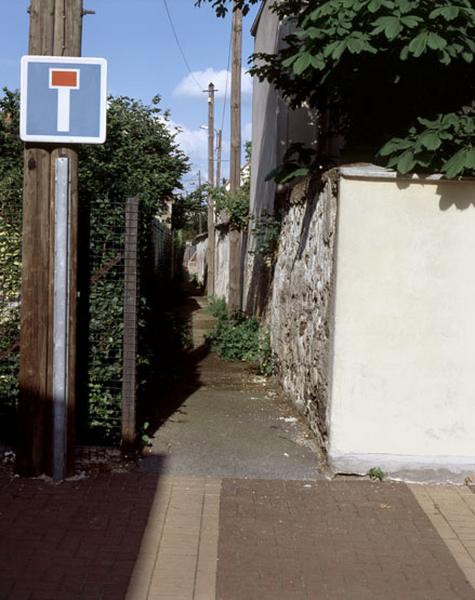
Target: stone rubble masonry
(300, 315)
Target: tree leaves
(448, 12)
(302, 63)
(446, 144)
(456, 164)
(406, 162)
(328, 63)
(430, 140)
(391, 26)
(419, 44)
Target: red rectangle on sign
(64, 78)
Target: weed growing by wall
(239, 337)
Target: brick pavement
(178, 555)
(143, 537)
(295, 540)
(75, 540)
(451, 510)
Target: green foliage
(377, 65)
(145, 438)
(190, 212)
(377, 474)
(239, 337)
(221, 6)
(371, 68)
(248, 151)
(446, 144)
(266, 230)
(139, 158)
(11, 157)
(217, 308)
(234, 206)
(298, 161)
(409, 28)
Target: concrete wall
(403, 386)
(221, 282)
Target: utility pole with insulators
(50, 197)
(211, 224)
(234, 298)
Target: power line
(180, 46)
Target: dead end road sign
(63, 100)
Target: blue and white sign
(63, 100)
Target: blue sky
(143, 58)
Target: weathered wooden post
(235, 291)
(55, 30)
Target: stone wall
(299, 315)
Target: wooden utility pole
(211, 92)
(55, 30)
(200, 226)
(219, 144)
(211, 231)
(234, 299)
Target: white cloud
(188, 86)
(193, 142)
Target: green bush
(11, 156)
(238, 337)
(217, 308)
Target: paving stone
(316, 548)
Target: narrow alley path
(230, 505)
(229, 422)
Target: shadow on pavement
(162, 405)
(80, 539)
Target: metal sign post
(61, 318)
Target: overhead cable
(180, 46)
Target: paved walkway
(210, 516)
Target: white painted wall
(221, 281)
(403, 385)
(196, 262)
